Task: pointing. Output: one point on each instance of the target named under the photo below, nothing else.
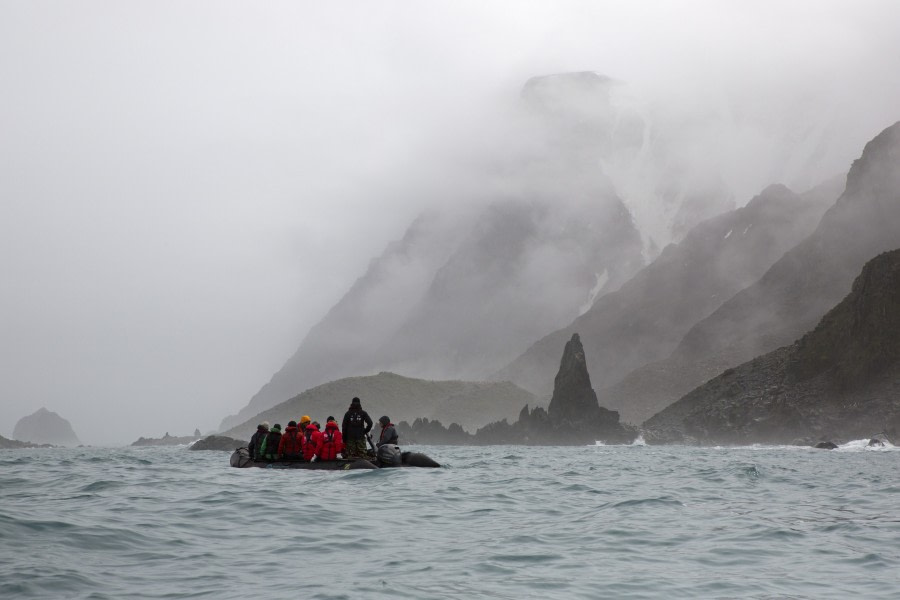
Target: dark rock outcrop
(797, 290)
(573, 418)
(45, 427)
(219, 442)
(644, 321)
(840, 381)
(826, 446)
(573, 397)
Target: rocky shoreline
(8, 444)
(168, 440)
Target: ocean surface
(497, 522)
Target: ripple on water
(506, 522)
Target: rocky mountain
(45, 427)
(840, 381)
(468, 289)
(557, 203)
(467, 403)
(647, 317)
(791, 297)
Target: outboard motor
(389, 455)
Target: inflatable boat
(388, 456)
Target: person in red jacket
(312, 436)
(331, 442)
(292, 441)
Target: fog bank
(185, 188)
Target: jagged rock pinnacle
(573, 397)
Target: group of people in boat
(306, 441)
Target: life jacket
(309, 448)
(391, 437)
(291, 444)
(330, 442)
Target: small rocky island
(574, 416)
(45, 427)
(168, 440)
(218, 442)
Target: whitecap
(863, 446)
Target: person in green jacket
(268, 450)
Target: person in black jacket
(356, 425)
(388, 432)
(262, 430)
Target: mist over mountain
(645, 320)
(840, 381)
(523, 269)
(791, 297)
(566, 197)
(470, 286)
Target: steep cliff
(791, 297)
(840, 381)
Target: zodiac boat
(388, 456)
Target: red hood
(331, 425)
(312, 427)
(289, 428)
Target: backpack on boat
(241, 458)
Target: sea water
(496, 522)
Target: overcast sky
(187, 187)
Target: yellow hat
(304, 419)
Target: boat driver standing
(355, 427)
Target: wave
(863, 446)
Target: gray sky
(186, 187)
